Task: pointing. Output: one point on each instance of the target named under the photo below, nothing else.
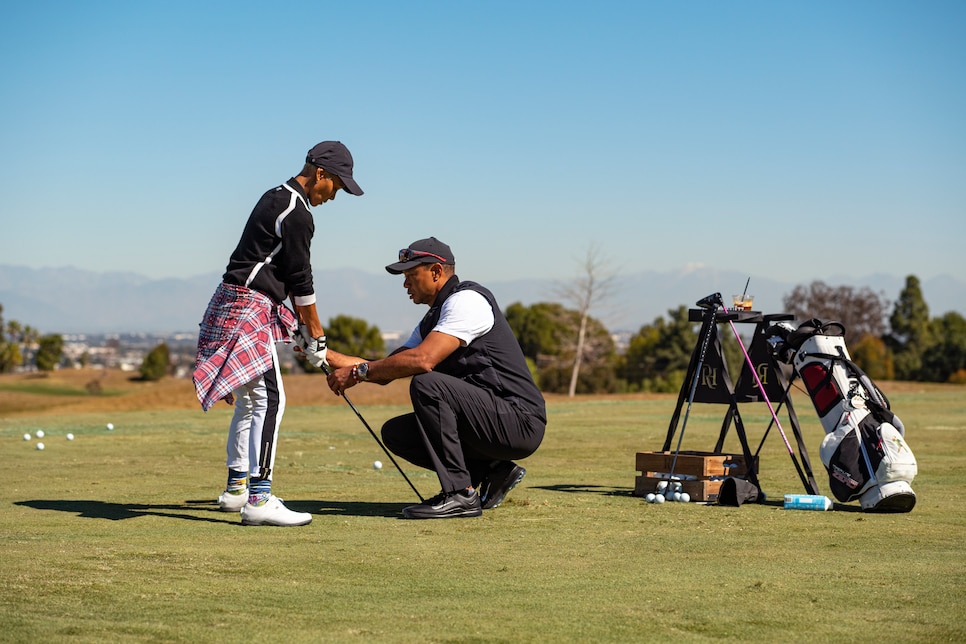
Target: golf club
(761, 388)
(710, 305)
(325, 369)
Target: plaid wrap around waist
(235, 341)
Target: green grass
(115, 537)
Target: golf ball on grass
(39, 433)
(659, 498)
(110, 427)
(685, 497)
(377, 465)
(26, 437)
(650, 498)
(70, 437)
(40, 446)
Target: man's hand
(313, 348)
(342, 379)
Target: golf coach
(236, 358)
(476, 407)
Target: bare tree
(594, 284)
(862, 311)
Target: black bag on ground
(734, 492)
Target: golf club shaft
(325, 369)
(707, 326)
(761, 388)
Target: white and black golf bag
(864, 449)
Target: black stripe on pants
(269, 427)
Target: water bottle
(807, 502)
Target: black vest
(493, 361)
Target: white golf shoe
(230, 502)
(272, 512)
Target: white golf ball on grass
(650, 497)
(659, 498)
(40, 446)
(685, 497)
(70, 437)
(27, 437)
(110, 427)
(377, 465)
(39, 433)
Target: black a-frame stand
(715, 386)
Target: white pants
(252, 436)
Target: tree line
(571, 351)
(905, 344)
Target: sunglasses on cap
(408, 254)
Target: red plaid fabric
(235, 341)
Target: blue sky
(798, 140)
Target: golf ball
(662, 485)
(39, 433)
(659, 498)
(377, 465)
(26, 437)
(110, 427)
(70, 437)
(40, 446)
(676, 496)
(650, 498)
(685, 497)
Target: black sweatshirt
(277, 240)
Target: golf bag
(864, 449)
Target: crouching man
(476, 408)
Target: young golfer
(236, 357)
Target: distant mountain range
(69, 300)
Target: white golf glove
(313, 348)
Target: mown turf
(115, 537)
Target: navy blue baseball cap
(423, 251)
(334, 157)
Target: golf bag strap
(878, 398)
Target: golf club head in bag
(712, 301)
(777, 338)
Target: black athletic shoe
(498, 484)
(446, 505)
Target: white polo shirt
(466, 315)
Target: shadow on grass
(119, 511)
(349, 508)
(574, 488)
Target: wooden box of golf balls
(694, 476)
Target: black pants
(460, 430)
